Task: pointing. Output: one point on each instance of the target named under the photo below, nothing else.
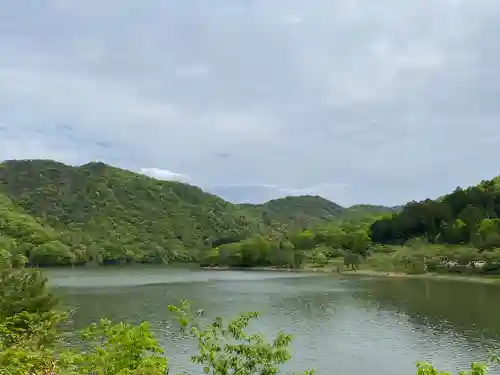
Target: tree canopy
(464, 216)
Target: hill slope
(116, 215)
(298, 211)
(306, 211)
(21, 233)
(359, 211)
(99, 213)
(463, 216)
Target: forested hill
(96, 212)
(299, 211)
(22, 233)
(464, 216)
(112, 215)
(59, 214)
(310, 210)
(359, 211)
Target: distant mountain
(363, 210)
(307, 210)
(301, 211)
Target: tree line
(469, 216)
(343, 239)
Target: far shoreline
(366, 273)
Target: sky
(358, 101)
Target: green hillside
(112, 215)
(307, 211)
(59, 214)
(21, 233)
(298, 211)
(359, 211)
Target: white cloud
(164, 174)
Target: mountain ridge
(96, 165)
(99, 213)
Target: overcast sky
(359, 101)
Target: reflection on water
(466, 307)
(352, 326)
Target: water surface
(359, 326)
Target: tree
(230, 254)
(352, 260)
(28, 311)
(255, 251)
(303, 240)
(227, 349)
(51, 253)
(319, 258)
(210, 257)
(24, 290)
(299, 256)
(360, 242)
(489, 233)
(120, 349)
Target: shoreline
(433, 276)
(367, 273)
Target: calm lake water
(358, 326)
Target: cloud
(164, 174)
(392, 100)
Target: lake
(351, 325)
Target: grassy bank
(336, 267)
(429, 275)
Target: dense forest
(95, 213)
(462, 217)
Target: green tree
(210, 257)
(489, 233)
(303, 240)
(360, 242)
(319, 258)
(51, 253)
(120, 349)
(352, 260)
(227, 349)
